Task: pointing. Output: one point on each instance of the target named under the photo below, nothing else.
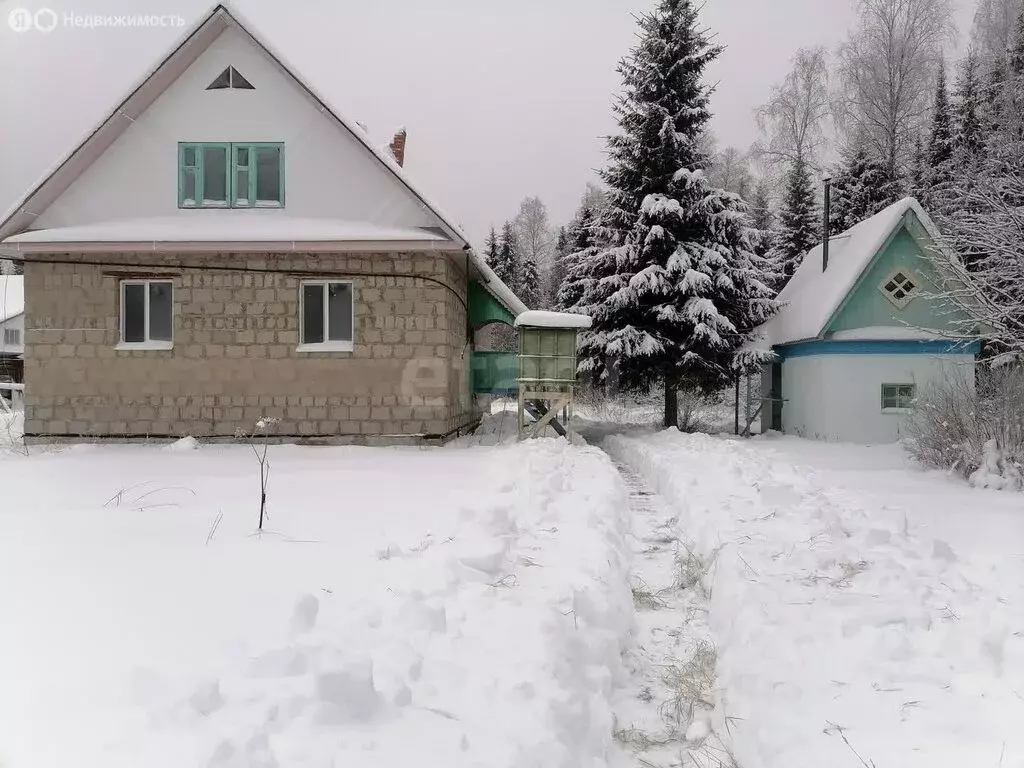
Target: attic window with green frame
(231, 175)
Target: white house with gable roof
(225, 247)
(863, 331)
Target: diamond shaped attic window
(899, 287)
(230, 78)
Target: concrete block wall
(235, 359)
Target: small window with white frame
(327, 316)
(12, 336)
(147, 314)
(900, 287)
(898, 397)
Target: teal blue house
(865, 328)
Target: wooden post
(747, 418)
(671, 403)
(521, 420)
(736, 414)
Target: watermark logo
(46, 20)
(20, 19)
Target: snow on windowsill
(897, 411)
(151, 346)
(330, 346)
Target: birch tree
(887, 73)
(536, 242)
(993, 27)
(794, 119)
(730, 170)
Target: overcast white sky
(501, 99)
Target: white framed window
(326, 316)
(900, 286)
(898, 397)
(12, 336)
(147, 314)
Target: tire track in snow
(665, 713)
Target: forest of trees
(679, 253)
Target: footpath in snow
(666, 711)
(441, 607)
(845, 629)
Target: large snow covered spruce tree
(676, 293)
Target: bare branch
(887, 72)
(793, 119)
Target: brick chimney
(397, 147)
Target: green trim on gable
(484, 308)
(860, 278)
(865, 306)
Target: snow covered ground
(436, 607)
(862, 612)
(796, 604)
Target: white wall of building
(838, 397)
(328, 173)
(16, 323)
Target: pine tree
(969, 143)
(528, 287)
(1012, 107)
(677, 292)
(762, 222)
(663, 113)
(940, 140)
(799, 230)
(992, 92)
(918, 182)
(505, 260)
(559, 267)
(491, 248)
(761, 207)
(934, 175)
(861, 187)
(583, 244)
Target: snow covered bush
(976, 431)
(699, 411)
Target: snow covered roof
(226, 226)
(537, 318)
(812, 296)
(12, 296)
(181, 55)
